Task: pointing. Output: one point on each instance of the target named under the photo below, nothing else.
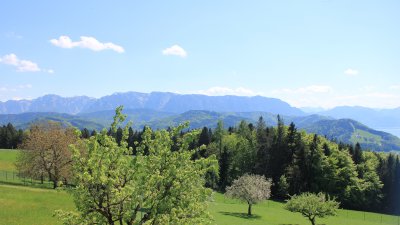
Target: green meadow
(32, 205)
(7, 159)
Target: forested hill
(160, 101)
(351, 131)
(380, 119)
(344, 130)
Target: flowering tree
(250, 188)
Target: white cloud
(86, 42)
(220, 91)
(21, 65)
(175, 50)
(351, 72)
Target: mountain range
(160, 101)
(161, 110)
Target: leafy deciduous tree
(114, 186)
(312, 206)
(46, 152)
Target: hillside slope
(344, 130)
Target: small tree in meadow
(250, 188)
(312, 205)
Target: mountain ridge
(161, 101)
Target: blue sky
(309, 53)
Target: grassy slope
(25, 205)
(8, 172)
(7, 159)
(227, 211)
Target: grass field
(7, 159)
(8, 172)
(228, 211)
(28, 205)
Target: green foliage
(312, 206)
(10, 137)
(283, 187)
(114, 186)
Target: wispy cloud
(312, 89)
(15, 88)
(351, 72)
(25, 86)
(220, 91)
(367, 88)
(395, 87)
(6, 89)
(175, 50)
(13, 35)
(22, 65)
(86, 42)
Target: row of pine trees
(10, 137)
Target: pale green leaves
(312, 205)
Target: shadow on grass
(241, 215)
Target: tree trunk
(55, 183)
(312, 220)
(249, 210)
(110, 221)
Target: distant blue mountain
(160, 101)
(47, 103)
(379, 119)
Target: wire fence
(377, 218)
(15, 178)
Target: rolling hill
(379, 119)
(344, 130)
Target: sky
(322, 53)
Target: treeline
(10, 137)
(297, 162)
